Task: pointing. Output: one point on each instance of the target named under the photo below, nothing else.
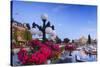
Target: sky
(70, 20)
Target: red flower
(70, 47)
(38, 57)
(56, 47)
(34, 58)
(34, 42)
(46, 51)
(25, 59)
(21, 53)
(41, 58)
(23, 56)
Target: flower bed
(38, 53)
(70, 47)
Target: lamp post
(45, 25)
(44, 19)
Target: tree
(27, 35)
(58, 40)
(73, 41)
(14, 34)
(66, 40)
(89, 39)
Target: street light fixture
(46, 28)
(44, 17)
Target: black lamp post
(44, 19)
(42, 28)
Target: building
(82, 40)
(20, 33)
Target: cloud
(91, 30)
(59, 24)
(90, 22)
(60, 7)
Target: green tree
(58, 40)
(73, 41)
(27, 35)
(14, 35)
(66, 40)
(89, 39)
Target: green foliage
(58, 40)
(14, 35)
(89, 39)
(27, 35)
(66, 40)
(62, 48)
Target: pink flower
(34, 58)
(39, 56)
(56, 47)
(25, 59)
(34, 42)
(46, 51)
(21, 53)
(23, 56)
(70, 47)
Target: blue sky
(72, 21)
